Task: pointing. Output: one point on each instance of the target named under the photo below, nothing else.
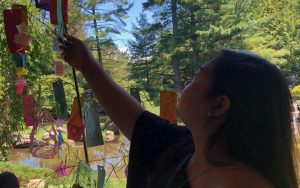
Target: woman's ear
(221, 106)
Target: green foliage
(25, 173)
(116, 65)
(143, 67)
(40, 75)
(150, 103)
(274, 32)
(104, 22)
(268, 28)
(296, 92)
(43, 91)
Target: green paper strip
(60, 18)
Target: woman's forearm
(120, 106)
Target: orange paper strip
(168, 101)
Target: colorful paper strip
(168, 101)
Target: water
(112, 156)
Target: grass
(148, 104)
(25, 173)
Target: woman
(238, 125)
(8, 179)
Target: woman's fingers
(64, 52)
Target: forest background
(164, 52)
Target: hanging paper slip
(92, 125)
(20, 84)
(168, 101)
(101, 176)
(58, 68)
(16, 28)
(75, 127)
(54, 14)
(60, 99)
(75, 106)
(29, 107)
(21, 72)
(19, 59)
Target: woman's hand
(76, 53)
(122, 108)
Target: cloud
(123, 49)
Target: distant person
(238, 132)
(8, 180)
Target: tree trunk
(194, 37)
(97, 38)
(175, 64)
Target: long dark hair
(257, 130)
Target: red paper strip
(29, 107)
(15, 21)
(53, 14)
(75, 127)
(58, 68)
(20, 85)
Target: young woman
(238, 126)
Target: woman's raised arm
(120, 106)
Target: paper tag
(21, 39)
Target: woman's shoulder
(235, 176)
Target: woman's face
(194, 104)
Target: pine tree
(142, 50)
(104, 18)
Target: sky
(133, 13)
(121, 39)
